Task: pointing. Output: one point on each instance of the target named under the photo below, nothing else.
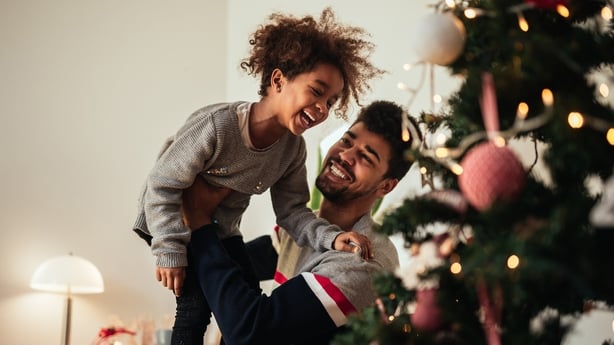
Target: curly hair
(297, 45)
(385, 118)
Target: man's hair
(297, 45)
(385, 119)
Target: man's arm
(292, 314)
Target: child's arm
(176, 168)
(290, 195)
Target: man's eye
(367, 158)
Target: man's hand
(171, 277)
(353, 242)
(200, 201)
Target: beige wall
(88, 91)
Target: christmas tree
(524, 252)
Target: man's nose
(348, 156)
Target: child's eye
(316, 92)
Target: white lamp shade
(67, 274)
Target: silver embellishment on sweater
(218, 171)
(258, 186)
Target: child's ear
(277, 77)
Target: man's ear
(387, 185)
(277, 78)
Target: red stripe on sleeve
(342, 302)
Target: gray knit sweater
(209, 144)
(348, 272)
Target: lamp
(67, 274)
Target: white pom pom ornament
(439, 38)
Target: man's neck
(344, 215)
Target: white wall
(88, 91)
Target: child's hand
(353, 242)
(200, 201)
(171, 277)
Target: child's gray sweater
(210, 145)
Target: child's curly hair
(297, 45)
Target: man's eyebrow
(368, 148)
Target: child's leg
(192, 314)
(236, 249)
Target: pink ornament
(490, 174)
(548, 4)
(427, 316)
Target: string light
(445, 155)
(472, 13)
(606, 13)
(513, 261)
(575, 120)
(522, 22)
(610, 136)
(562, 10)
(547, 97)
(523, 110)
(456, 268)
(450, 3)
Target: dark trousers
(192, 314)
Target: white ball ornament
(439, 38)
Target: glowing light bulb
(522, 22)
(610, 136)
(456, 268)
(523, 110)
(606, 13)
(405, 136)
(547, 97)
(437, 99)
(499, 141)
(423, 170)
(470, 13)
(604, 90)
(513, 261)
(391, 318)
(450, 3)
(442, 152)
(562, 10)
(402, 86)
(575, 119)
(456, 169)
(407, 66)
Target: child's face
(306, 100)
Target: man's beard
(330, 193)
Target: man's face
(354, 166)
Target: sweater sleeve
(289, 196)
(292, 314)
(175, 170)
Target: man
(320, 289)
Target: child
(306, 67)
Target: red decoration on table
(108, 332)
